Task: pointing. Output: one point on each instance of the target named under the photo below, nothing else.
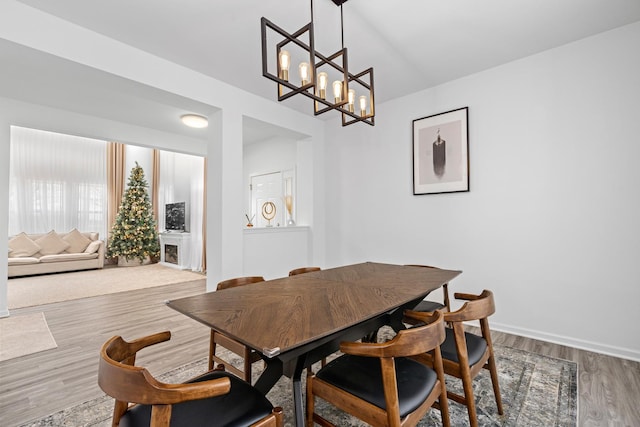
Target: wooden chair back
(303, 270)
(410, 342)
(407, 342)
(475, 308)
(239, 281)
(119, 378)
(248, 355)
(445, 288)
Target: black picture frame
(441, 153)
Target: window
(57, 182)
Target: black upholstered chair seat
(428, 306)
(476, 346)
(362, 377)
(242, 406)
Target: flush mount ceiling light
(195, 120)
(316, 70)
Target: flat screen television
(174, 216)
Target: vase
(132, 262)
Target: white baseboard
(624, 353)
(4, 313)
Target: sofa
(53, 252)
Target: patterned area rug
(536, 391)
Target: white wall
(272, 155)
(221, 143)
(5, 143)
(273, 252)
(144, 157)
(551, 223)
(261, 256)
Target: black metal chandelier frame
(338, 61)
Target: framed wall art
(441, 153)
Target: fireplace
(171, 254)
(174, 250)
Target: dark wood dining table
(296, 321)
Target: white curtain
(182, 180)
(57, 182)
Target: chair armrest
(403, 343)
(368, 349)
(420, 316)
(466, 297)
(176, 393)
(140, 343)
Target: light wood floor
(37, 385)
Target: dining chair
(380, 384)
(303, 270)
(248, 355)
(465, 354)
(213, 399)
(426, 305)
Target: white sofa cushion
(23, 246)
(93, 247)
(77, 242)
(51, 244)
(67, 257)
(23, 260)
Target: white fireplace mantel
(175, 250)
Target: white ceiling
(411, 44)
(71, 87)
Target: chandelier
(316, 70)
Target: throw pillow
(93, 247)
(23, 246)
(77, 242)
(51, 244)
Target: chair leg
(212, 348)
(494, 381)
(491, 364)
(247, 364)
(277, 412)
(445, 291)
(470, 401)
(443, 402)
(119, 410)
(310, 407)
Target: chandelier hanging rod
(314, 75)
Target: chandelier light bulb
(285, 63)
(337, 91)
(279, 64)
(352, 99)
(303, 68)
(322, 84)
(363, 105)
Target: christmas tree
(134, 233)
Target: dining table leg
(270, 376)
(273, 372)
(297, 392)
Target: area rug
(536, 391)
(24, 334)
(50, 288)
